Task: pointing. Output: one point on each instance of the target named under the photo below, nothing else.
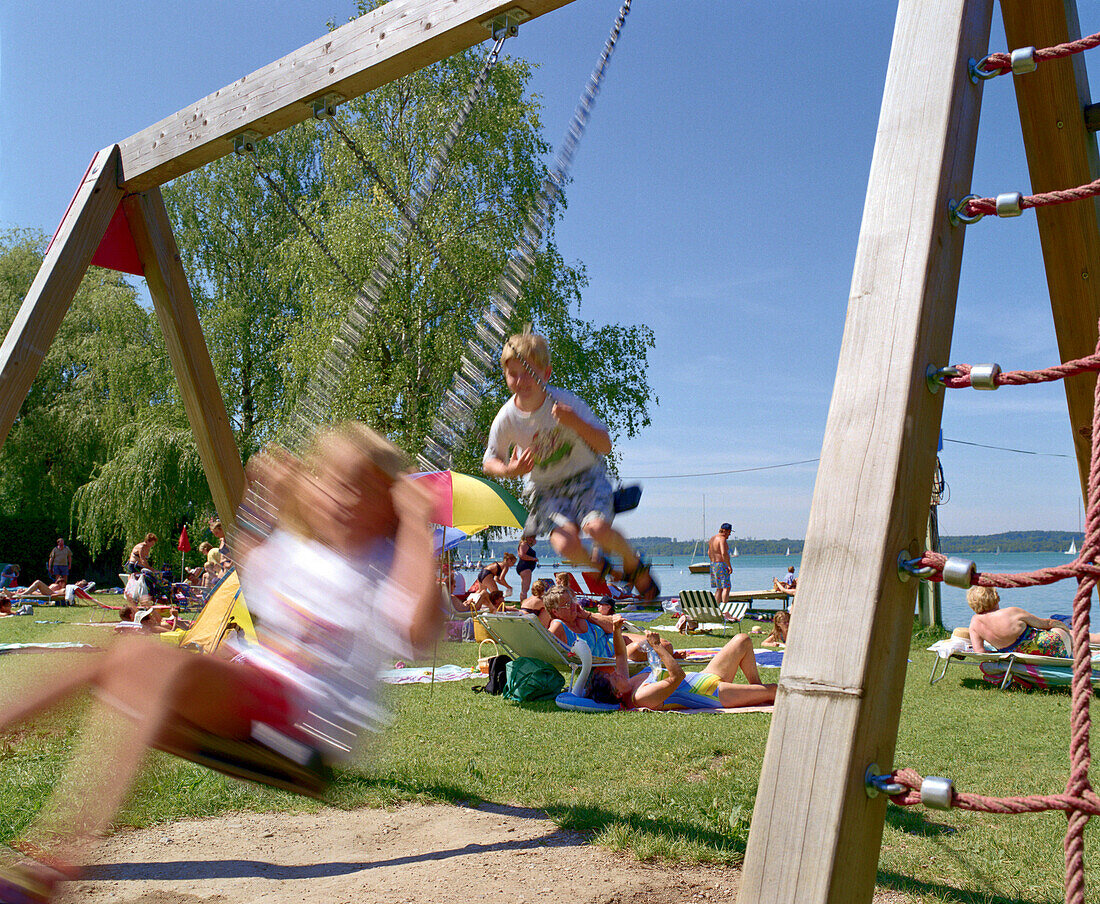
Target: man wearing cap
(719, 550)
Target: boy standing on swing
(556, 443)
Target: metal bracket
(875, 782)
(934, 376)
(505, 23)
(245, 142)
(326, 104)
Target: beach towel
(424, 675)
(62, 646)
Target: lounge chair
(598, 586)
(522, 634)
(1023, 668)
(702, 606)
(570, 582)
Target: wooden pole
(50, 295)
(187, 350)
(394, 39)
(1061, 153)
(815, 833)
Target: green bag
(531, 679)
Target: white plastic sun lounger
(1056, 670)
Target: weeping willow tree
(105, 380)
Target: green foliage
(103, 438)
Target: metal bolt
(875, 783)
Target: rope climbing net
(1079, 802)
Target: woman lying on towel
(1015, 630)
(673, 688)
(344, 580)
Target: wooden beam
(393, 40)
(1061, 153)
(187, 350)
(50, 295)
(815, 833)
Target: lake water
(756, 573)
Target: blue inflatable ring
(568, 700)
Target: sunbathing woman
(493, 574)
(344, 581)
(1015, 630)
(780, 625)
(672, 688)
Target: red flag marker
(184, 544)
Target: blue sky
(717, 197)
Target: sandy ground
(438, 854)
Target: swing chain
(248, 151)
(454, 422)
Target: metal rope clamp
(958, 572)
(1009, 204)
(984, 376)
(937, 793)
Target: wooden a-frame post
(816, 834)
(393, 40)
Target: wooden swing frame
(816, 833)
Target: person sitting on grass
(1015, 629)
(344, 582)
(789, 583)
(673, 688)
(780, 625)
(555, 442)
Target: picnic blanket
(424, 675)
(62, 645)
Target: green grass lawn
(650, 784)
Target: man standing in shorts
(719, 550)
(60, 561)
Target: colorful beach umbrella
(447, 538)
(471, 503)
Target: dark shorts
(133, 568)
(59, 571)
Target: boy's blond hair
(982, 599)
(529, 347)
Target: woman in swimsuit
(673, 688)
(525, 564)
(1014, 629)
(493, 574)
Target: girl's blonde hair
(529, 347)
(539, 587)
(374, 448)
(982, 599)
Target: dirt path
(432, 854)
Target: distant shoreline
(665, 547)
